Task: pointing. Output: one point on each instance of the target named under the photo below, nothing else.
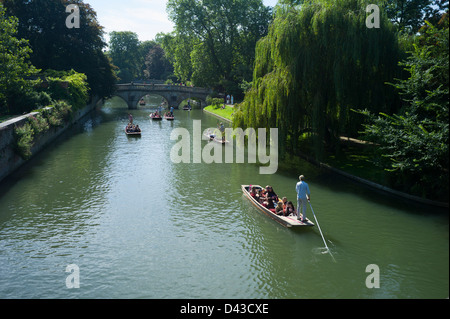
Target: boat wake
(320, 250)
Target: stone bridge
(174, 94)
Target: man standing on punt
(303, 195)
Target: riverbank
(332, 168)
(10, 160)
(225, 114)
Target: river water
(137, 225)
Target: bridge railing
(161, 87)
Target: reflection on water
(139, 226)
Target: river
(137, 225)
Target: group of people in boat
(170, 113)
(155, 114)
(269, 199)
(131, 128)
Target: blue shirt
(302, 189)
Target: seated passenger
(137, 129)
(270, 194)
(260, 196)
(262, 192)
(290, 209)
(253, 192)
(279, 209)
(284, 203)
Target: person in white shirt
(303, 195)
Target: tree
(156, 64)
(318, 61)
(224, 32)
(16, 89)
(125, 54)
(178, 48)
(414, 142)
(55, 46)
(437, 11)
(409, 15)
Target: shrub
(215, 102)
(24, 140)
(38, 123)
(63, 109)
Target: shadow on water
(86, 124)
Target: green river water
(139, 226)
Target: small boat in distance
(213, 138)
(130, 132)
(155, 117)
(286, 221)
(168, 117)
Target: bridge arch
(155, 96)
(174, 94)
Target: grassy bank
(227, 112)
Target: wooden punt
(137, 134)
(155, 118)
(286, 221)
(215, 139)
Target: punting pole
(323, 238)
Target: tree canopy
(124, 52)
(54, 46)
(138, 60)
(414, 142)
(409, 15)
(214, 40)
(318, 62)
(15, 67)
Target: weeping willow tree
(318, 62)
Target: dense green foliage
(409, 15)
(54, 46)
(138, 60)
(16, 88)
(69, 86)
(157, 66)
(317, 62)
(55, 115)
(214, 40)
(414, 142)
(124, 52)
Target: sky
(144, 17)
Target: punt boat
(286, 221)
(168, 117)
(137, 134)
(212, 137)
(155, 117)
